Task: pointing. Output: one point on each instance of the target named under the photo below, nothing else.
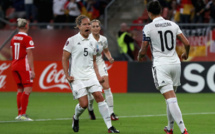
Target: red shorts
(22, 78)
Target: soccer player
(83, 74)
(23, 67)
(161, 35)
(101, 47)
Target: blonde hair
(21, 23)
(95, 20)
(79, 19)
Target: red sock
(18, 100)
(24, 102)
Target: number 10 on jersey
(165, 40)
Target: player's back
(19, 43)
(163, 35)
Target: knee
(99, 98)
(105, 85)
(28, 90)
(84, 105)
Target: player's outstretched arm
(186, 43)
(31, 62)
(143, 51)
(65, 59)
(100, 79)
(108, 55)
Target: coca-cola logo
(52, 78)
(3, 67)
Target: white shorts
(166, 76)
(102, 69)
(81, 88)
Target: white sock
(103, 109)
(78, 111)
(109, 99)
(176, 113)
(169, 118)
(90, 102)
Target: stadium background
(131, 76)
(126, 76)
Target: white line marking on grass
(165, 115)
(134, 116)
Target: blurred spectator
(30, 10)
(92, 9)
(163, 3)
(125, 41)
(59, 11)
(102, 6)
(5, 4)
(199, 6)
(211, 8)
(185, 11)
(45, 12)
(74, 11)
(82, 7)
(19, 12)
(173, 11)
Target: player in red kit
(23, 67)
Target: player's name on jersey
(18, 38)
(166, 24)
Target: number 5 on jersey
(85, 52)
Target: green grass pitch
(139, 113)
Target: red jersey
(19, 43)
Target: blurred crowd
(179, 11)
(51, 11)
(189, 11)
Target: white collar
(158, 18)
(82, 38)
(91, 35)
(22, 33)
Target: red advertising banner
(50, 77)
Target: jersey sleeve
(68, 45)
(146, 36)
(178, 30)
(29, 43)
(105, 43)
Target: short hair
(79, 19)
(21, 23)
(154, 7)
(95, 20)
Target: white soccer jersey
(162, 34)
(102, 44)
(81, 61)
(58, 7)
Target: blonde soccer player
(102, 47)
(22, 47)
